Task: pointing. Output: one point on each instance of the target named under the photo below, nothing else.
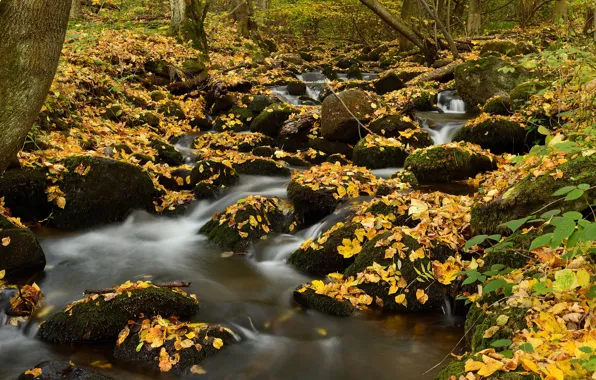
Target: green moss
(331, 147)
(498, 134)
(205, 190)
(101, 320)
(261, 166)
(479, 320)
(243, 114)
(23, 256)
(166, 153)
(54, 369)
(219, 173)
(324, 304)
(502, 47)
(339, 124)
(171, 109)
(270, 121)
(524, 91)
(454, 368)
(391, 125)
(311, 205)
(378, 156)
(406, 176)
(498, 105)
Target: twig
(350, 112)
(173, 284)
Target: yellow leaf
(401, 299)
(421, 296)
(349, 248)
(6, 241)
(417, 254)
(341, 191)
(321, 331)
(35, 372)
(318, 284)
(61, 202)
(416, 208)
(123, 335)
(491, 366)
(218, 343)
(472, 365)
(490, 332)
(2, 273)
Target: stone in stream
(242, 142)
(346, 62)
(167, 154)
(504, 47)
(24, 193)
(249, 220)
(294, 133)
(331, 147)
(270, 121)
(449, 162)
(217, 172)
(376, 152)
(477, 81)
(499, 134)
(309, 299)
(172, 109)
(187, 345)
(341, 124)
(296, 88)
(258, 103)
(20, 252)
(99, 191)
(237, 119)
(535, 193)
(253, 165)
(61, 370)
(389, 82)
(147, 117)
(392, 125)
(179, 179)
(100, 317)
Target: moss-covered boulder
(376, 152)
(217, 172)
(99, 191)
(294, 134)
(316, 192)
(249, 220)
(373, 260)
(504, 47)
(480, 319)
(535, 193)
(449, 162)
(499, 134)
(456, 370)
(172, 109)
(254, 165)
(167, 154)
(387, 83)
(100, 317)
(320, 256)
(258, 103)
(20, 253)
(237, 119)
(24, 192)
(62, 370)
(179, 179)
(500, 104)
(331, 147)
(391, 125)
(341, 124)
(309, 299)
(242, 142)
(186, 346)
(521, 93)
(270, 121)
(477, 81)
(113, 112)
(149, 118)
(406, 176)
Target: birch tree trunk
(32, 36)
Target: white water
(450, 102)
(442, 133)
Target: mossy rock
(308, 299)
(270, 121)
(263, 151)
(517, 256)
(379, 152)
(262, 166)
(156, 96)
(158, 67)
(63, 370)
(237, 119)
(341, 124)
(416, 138)
(502, 47)
(499, 104)
(497, 133)
(456, 369)
(258, 103)
(100, 320)
(167, 154)
(521, 93)
(479, 320)
(247, 221)
(346, 62)
(149, 118)
(337, 158)
(354, 72)
(178, 180)
(326, 258)
(391, 125)
(172, 109)
(23, 255)
(203, 124)
(371, 254)
(331, 147)
(406, 176)
(206, 190)
(148, 358)
(479, 80)
(534, 193)
(24, 192)
(106, 193)
(219, 173)
(194, 66)
(113, 112)
(446, 163)
(388, 83)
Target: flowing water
(251, 294)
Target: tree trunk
(188, 21)
(441, 26)
(560, 13)
(408, 11)
(75, 10)
(427, 47)
(242, 13)
(263, 4)
(32, 36)
(474, 18)
(589, 25)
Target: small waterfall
(442, 133)
(450, 102)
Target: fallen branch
(173, 284)
(436, 74)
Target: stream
(252, 295)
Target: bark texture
(474, 18)
(32, 36)
(75, 10)
(242, 13)
(188, 21)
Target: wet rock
(206, 190)
(479, 80)
(158, 67)
(346, 62)
(337, 158)
(23, 254)
(337, 123)
(354, 72)
(389, 82)
(24, 192)
(270, 121)
(392, 125)
(193, 66)
(172, 109)
(258, 103)
(261, 166)
(167, 154)
(249, 220)
(331, 147)
(63, 370)
(222, 104)
(524, 91)
(296, 88)
(449, 162)
(294, 133)
(499, 104)
(376, 152)
(242, 142)
(479, 320)
(105, 191)
(406, 176)
(502, 47)
(201, 123)
(499, 134)
(237, 119)
(188, 345)
(533, 193)
(330, 72)
(179, 180)
(263, 151)
(294, 59)
(320, 256)
(219, 173)
(375, 253)
(156, 96)
(309, 299)
(102, 318)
